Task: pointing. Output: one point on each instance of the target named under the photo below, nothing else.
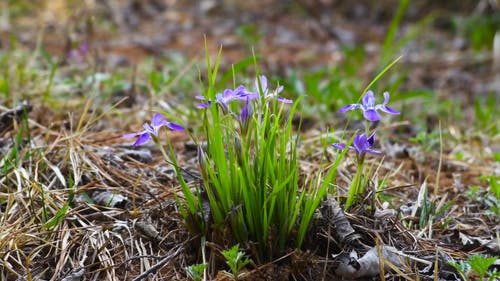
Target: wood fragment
(8, 118)
(368, 265)
(336, 219)
(148, 230)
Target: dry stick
(381, 260)
(436, 265)
(438, 175)
(158, 266)
(327, 254)
(436, 185)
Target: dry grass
(97, 240)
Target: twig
(143, 257)
(159, 265)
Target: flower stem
(356, 188)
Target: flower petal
(339, 145)
(263, 83)
(175, 127)
(200, 97)
(283, 100)
(349, 107)
(280, 89)
(371, 140)
(240, 91)
(371, 115)
(204, 105)
(388, 110)
(224, 106)
(132, 135)
(84, 48)
(386, 97)
(368, 100)
(246, 112)
(148, 129)
(142, 139)
(157, 120)
(372, 151)
(248, 96)
(359, 143)
(159, 124)
(227, 95)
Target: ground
(80, 202)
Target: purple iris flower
(240, 93)
(370, 108)
(153, 129)
(246, 114)
(84, 48)
(267, 94)
(362, 145)
(77, 54)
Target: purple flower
(84, 48)
(153, 129)
(240, 93)
(361, 144)
(246, 114)
(78, 54)
(265, 91)
(370, 108)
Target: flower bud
(202, 162)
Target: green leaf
(58, 217)
(481, 263)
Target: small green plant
(463, 268)
(479, 29)
(475, 193)
(496, 156)
(428, 141)
(478, 264)
(236, 260)
(391, 45)
(430, 209)
(491, 197)
(486, 114)
(4, 76)
(195, 272)
(250, 34)
(116, 82)
(328, 88)
(159, 79)
(494, 182)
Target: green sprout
(236, 260)
(478, 264)
(195, 272)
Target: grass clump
(250, 171)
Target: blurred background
(328, 50)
